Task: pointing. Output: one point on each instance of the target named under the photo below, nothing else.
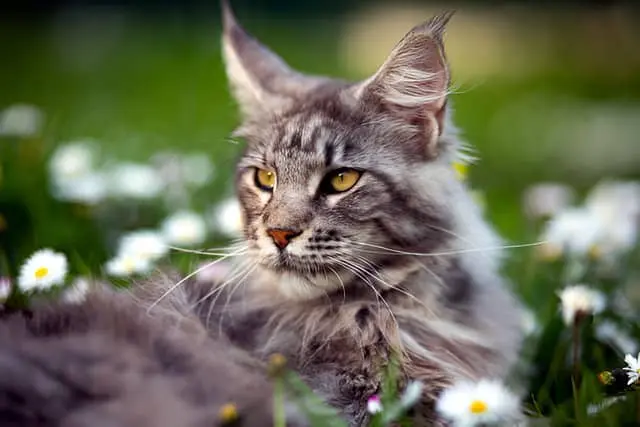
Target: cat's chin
(298, 283)
(293, 264)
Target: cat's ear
(412, 84)
(261, 81)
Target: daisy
(575, 231)
(411, 394)
(197, 169)
(89, 189)
(77, 292)
(579, 300)
(547, 199)
(135, 181)
(5, 288)
(44, 269)
(20, 120)
(617, 206)
(127, 265)
(632, 368)
(73, 160)
(529, 322)
(228, 218)
(486, 402)
(184, 228)
(144, 244)
(461, 170)
(374, 405)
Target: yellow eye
(265, 180)
(343, 180)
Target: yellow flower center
(41, 272)
(595, 252)
(228, 413)
(462, 170)
(478, 407)
(129, 265)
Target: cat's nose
(282, 236)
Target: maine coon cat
(361, 244)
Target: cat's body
(361, 243)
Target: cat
(361, 246)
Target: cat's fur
(400, 265)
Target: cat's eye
(265, 179)
(340, 181)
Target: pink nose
(282, 236)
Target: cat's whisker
(357, 270)
(202, 252)
(391, 251)
(239, 283)
(344, 290)
(236, 271)
(379, 278)
(190, 275)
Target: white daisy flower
(529, 322)
(184, 228)
(89, 189)
(485, 402)
(227, 218)
(135, 181)
(21, 120)
(606, 225)
(44, 269)
(575, 231)
(73, 160)
(5, 288)
(197, 169)
(374, 405)
(126, 265)
(580, 300)
(617, 206)
(143, 244)
(77, 292)
(411, 394)
(608, 331)
(632, 368)
(547, 199)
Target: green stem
(576, 348)
(278, 404)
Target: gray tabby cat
(360, 245)
(364, 241)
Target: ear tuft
(413, 82)
(261, 81)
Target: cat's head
(333, 172)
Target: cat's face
(334, 175)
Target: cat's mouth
(306, 265)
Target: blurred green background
(545, 91)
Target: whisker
(344, 290)
(235, 272)
(355, 269)
(198, 252)
(391, 251)
(224, 307)
(190, 275)
(397, 288)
